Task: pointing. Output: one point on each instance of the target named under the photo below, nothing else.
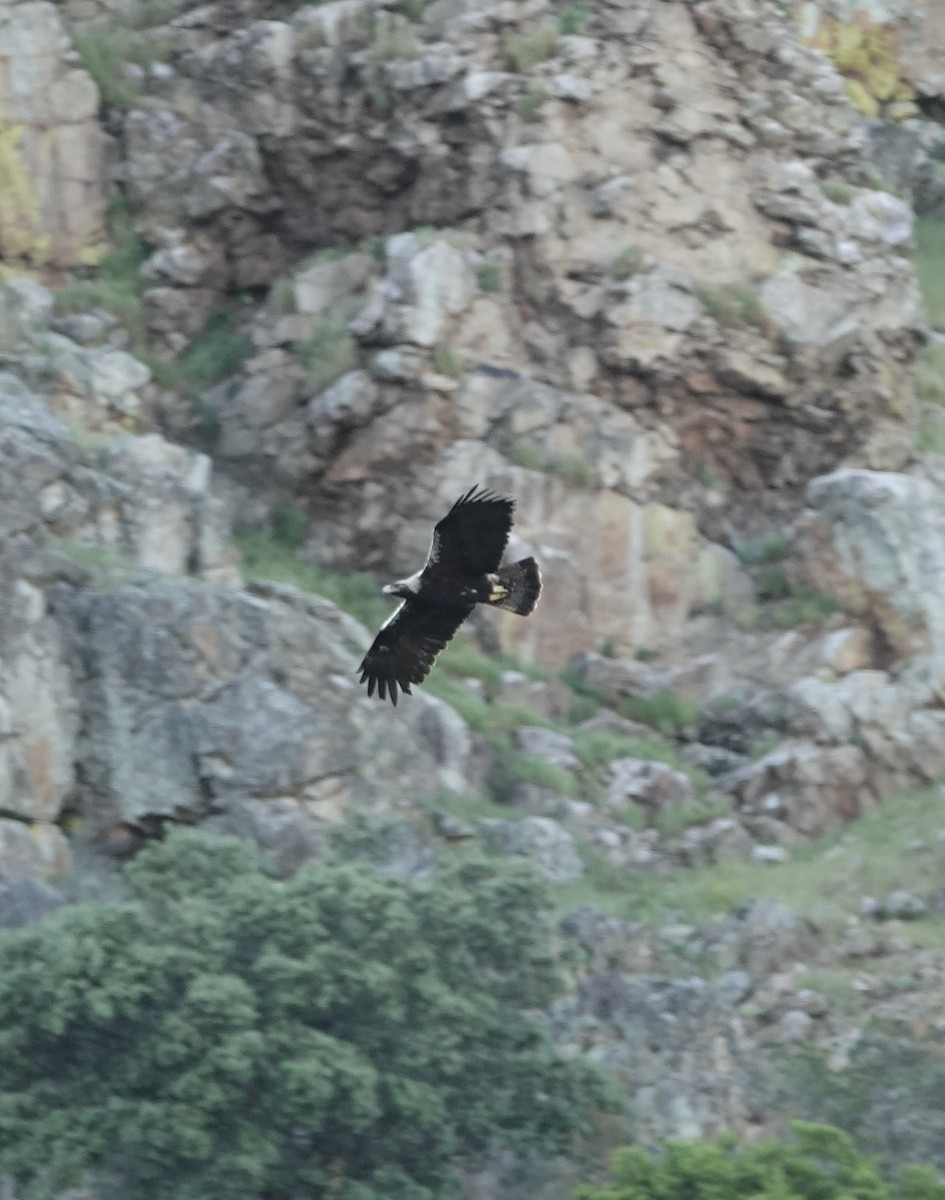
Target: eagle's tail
(516, 587)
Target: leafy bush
(216, 353)
(222, 1033)
(107, 53)
(822, 1163)
(289, 526)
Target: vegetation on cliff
(221, 1032)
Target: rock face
(626, 279)
(139, 683)
(239, 698)
(52, 148)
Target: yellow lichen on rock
(21, 233)
(865, 55)
(859, 94)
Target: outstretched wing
(407, 645)
(471, 538)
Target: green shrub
(930, 373)
(836, 193)
(329, 351)
(524, 50)
(152, 12)
(289, 526)
(210, 357)
(569, 465)
(573, 468)
(596, 748)
(929, 263)
(772, 582)
(627, 263)
(107, 53)
(732, 305)
(222, 1033)
(530, 102)
(216, 353)
(528, 455)
(663, 711)
(447, 361)
(264, 557)
(414, 9)
(766, 548)
(117, 284)
(801, 608)
(820, 1163)
(489, 275)
(571, 20)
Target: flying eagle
(461, 571)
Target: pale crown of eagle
(462, 570)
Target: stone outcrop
(53, 151)
(139, 683)
(238, 697)
(632, 285)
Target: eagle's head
(405, 588)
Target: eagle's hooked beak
(388, 589)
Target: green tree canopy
(222, 1034)
(821, 1163)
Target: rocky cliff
(304, 276)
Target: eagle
(462, 570)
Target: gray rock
(901, 905)
(37, 849)
(653, 785)
(771, 937)
(26, 307)
(734, 986)
(319, 288)
(196, 698)
(548, 744)
(772, 855)
(794, 1026)
(543, 841)
(24, 899)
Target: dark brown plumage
(461, 571)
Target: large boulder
(195, 699)
(875, 541)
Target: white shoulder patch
(393, 617)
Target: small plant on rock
(489, 275)
(627, 263)
(571, 20)
(525, 50)
(329, 351)
(530, 102)
(732, 305)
